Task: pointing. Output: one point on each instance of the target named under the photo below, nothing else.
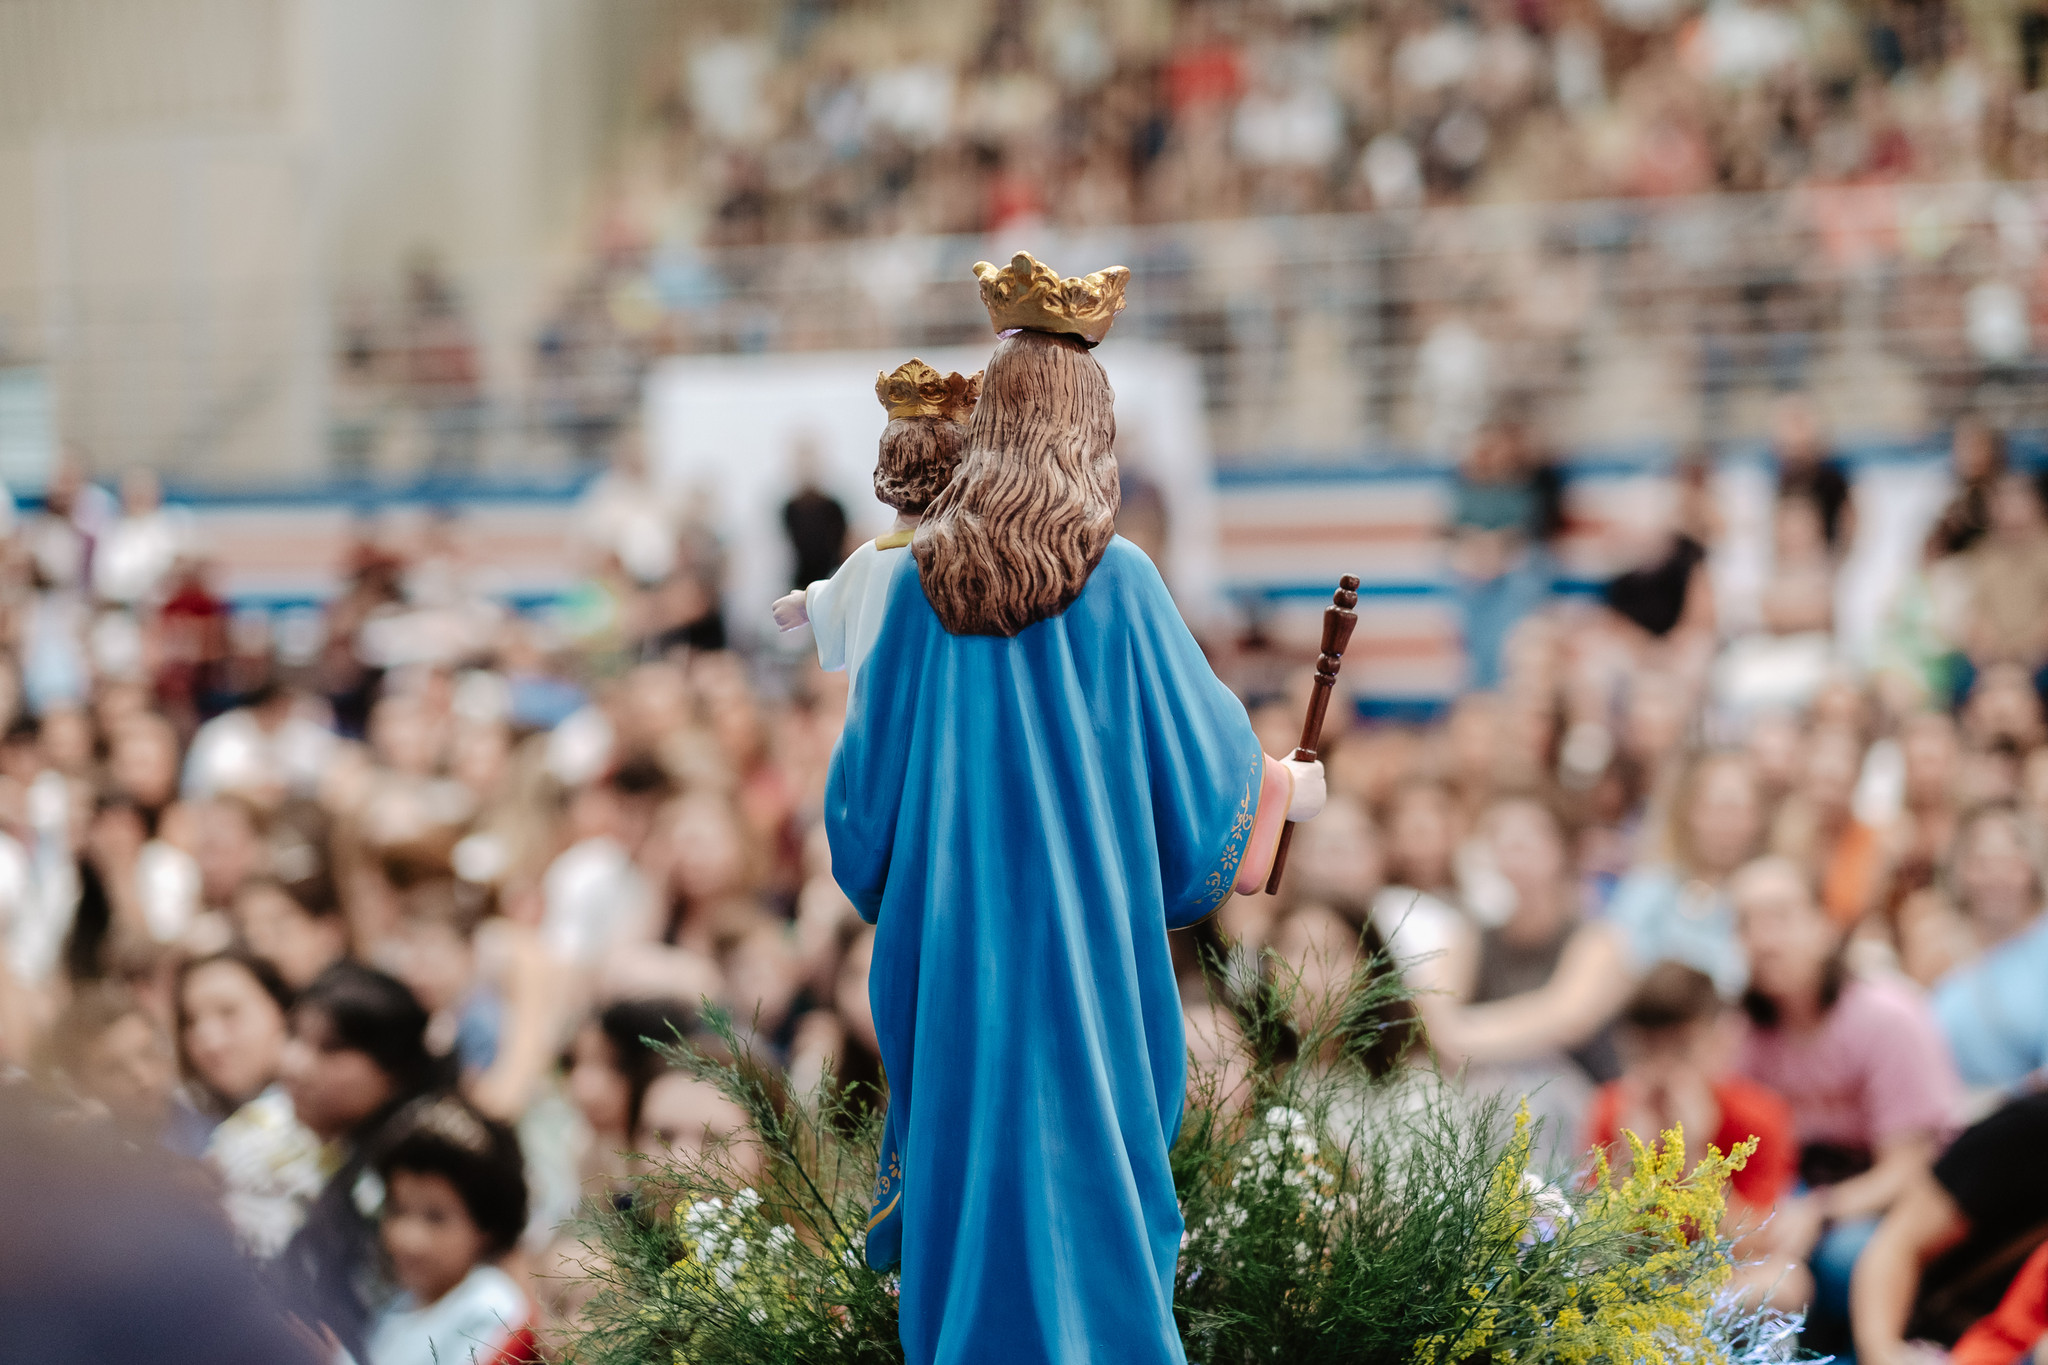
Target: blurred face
(709, 856)
(230, 849)
(1723, 820)
(596, 1085)
(1666, 1058)
(1785, 934)
(1421, 837)
(234, 1031)
(763, 977)
(1321, 950)
(1832, 766)
(479, 754)
(1339, 857)
(298, 944)
(683, 1118)
(67, 739)
(1474, 735)
(432, 958)
(1773, 748)
(333, 1088)
(144, 762)
(1527, 847)
(428, 1234)
(404, 736)
(1928, 745)
(130, 1069)
(1995, 875)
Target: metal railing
(1383, 337)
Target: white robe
(846, 609)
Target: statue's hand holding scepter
(1339, 619)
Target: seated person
(1951, 1245)
(1860, 1062)
(1994, 1010)
(2015, 1330)
(1543, 983)
(1522, 1008)
(1676, 907)
(1669, 1037)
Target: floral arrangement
(1331, 1215)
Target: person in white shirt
(135, 555)
(267, 750)
(454, 1205)
(921, 447)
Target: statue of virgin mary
(1040, 776)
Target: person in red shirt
(2017, 1329)
(1672, 1040)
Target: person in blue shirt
(1674, 906)
(1994, 1009)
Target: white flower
(1301, 1252)
(1280, 1116)
(757, 1316)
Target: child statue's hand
(1309, 791)
(789, 611)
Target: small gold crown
(963, 391)
(913, 389)
(1027, 293)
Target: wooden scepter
(1338, 620)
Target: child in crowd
(921, 447)
(1672, 1042)
(454, 1205)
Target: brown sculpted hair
(918, 457)
(1012, 539)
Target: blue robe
(1023, 820)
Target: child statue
(928, 415)
(1039, 777)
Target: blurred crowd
(848, 119)
(366, 932)
(1890, 260)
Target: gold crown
(1028, 293)
(963, 391)
(913, 389)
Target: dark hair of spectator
(639, 776)
(375, 1014)
(1671, 995)
(1834, 974)
(479, 1156)
(259, 969)
(626, 1026)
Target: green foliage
(1331, 1217)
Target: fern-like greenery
(1333, 1218)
